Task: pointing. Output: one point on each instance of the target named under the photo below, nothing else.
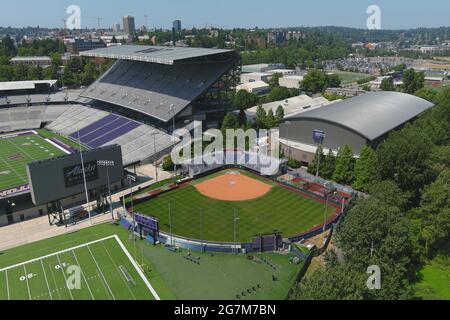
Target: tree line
(403, 224)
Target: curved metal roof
(371, 115)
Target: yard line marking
(57, 146)
(46, 281)
(7, 284)
(138, 269)
(118, 270)
(64, 275)
(82, 273)
(17, 146)
(18, 174)
(26, 280)
(54, 281)
(98, 267)
(56, 253)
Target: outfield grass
(435, 284)
(280, 209)
(16, 153)
(218, 276)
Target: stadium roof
(153, 54)
(24, 85)
(58, 97)
(371, 115)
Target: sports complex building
(365, 120)
(147, 93)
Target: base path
(233, 187)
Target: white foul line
(138, 269)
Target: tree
(434, 214)
(405, 158)
(244, 99)
(329, 166)
(315, 81)
(275, 80)
(279, 115)
(294, 164)
(168, 164)
(374, 233)
(365, 169)
(427, 94)
(345, 164)
(230, 121)
(413, 81)
(260, 117)
(387, 84)
(242, 118)
(278, 94)
(319, 160)
(271, 122)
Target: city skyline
(230, 13)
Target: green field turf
(218, 276)
(106, 273)
(350, 77)
(16, 153)
(286, 211)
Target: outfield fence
(339, 202)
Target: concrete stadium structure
(364, 120)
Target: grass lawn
(280, 209)
(350, 77)
(16, 153)
(223, 276)
(218, 276)
(435, 284)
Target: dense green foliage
(404, 223)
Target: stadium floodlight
(288, 123)
(132, 179)
(107, 164)
(235, 220)
(84, 179)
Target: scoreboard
(147, 223)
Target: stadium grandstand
(136, 104)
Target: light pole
(154, 152)
(107, 164)
(322, 137)
(132, 179)
(235, 220)
(84, 179)
(172, 108)
(201, 228)
(288, 123)
(170, 224)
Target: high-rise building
(129, 25)
(177, 25)
(116, 27)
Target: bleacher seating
(24, 118)
(152, 88)
(97, 128)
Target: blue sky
(396, 14)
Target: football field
(16, 152)
(99, 270)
